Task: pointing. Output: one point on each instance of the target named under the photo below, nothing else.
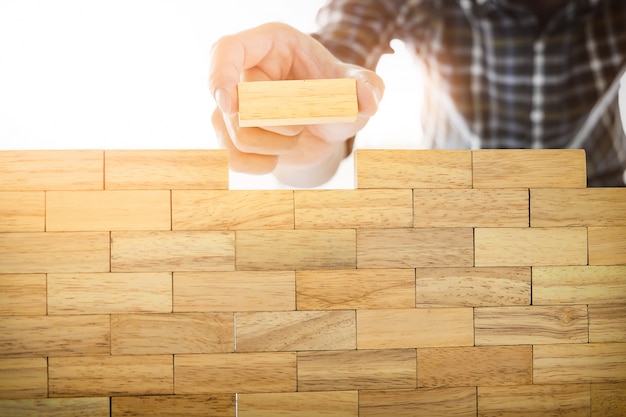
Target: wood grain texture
(407, 328)
(22, 211)
(22, 294)
(355, 289)
(110, 293)
(297, 102)
(23, 378)
(232, 209)
(413, 168)
(607, 323)
(530, 246)
(87, 376)
(167, 169)
(107, 210)
(607, 246)
(529, 168)
(320, 209)
(300, 404)
(608, 399)
(234, 291)
(435, 402)
(214, 405)
(410, 248)
(235, 372)
(57, 407)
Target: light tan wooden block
(578, 207)
(297, 102)
(608, 399)
(470, 208)
(530, 246)
(607, 245)
(23, 378)
(235, 372)
(141, 251)
(110, 293)
(234, 291)
(295, 249)
(57, 407)
(441, 287)
(530, 325)
(107, 210)
(22, 294)
(22, 211)
(579, 363)
(353, 208)
(51, 170)
(607, 323)
(300, 404)
(579, 285)
(474, 366)
(85, 376)
(377, 168)
(356, 369)
(534, 400)
(295, 331)
(529, 168)
(355, 289)
(55, 335)
(154, 334)
(410, 248)
(166, 169)
(54, 252)
(435, 402)
(214, 405)
(407, 328)
(232, 209)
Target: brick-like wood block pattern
(449, 283)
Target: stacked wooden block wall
(447, 284)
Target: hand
(298, 155)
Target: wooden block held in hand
(297, 102)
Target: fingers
(370, 89)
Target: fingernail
(374, 91)
(223, 101)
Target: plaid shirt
(496, 78)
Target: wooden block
(607, 245)
(154, 334)
(435, 402)
(474, 366)
(54, 252)
(530, 246)
(23, 378)
(295, 249)
(441, 287)
(235, 372)
(579, 363)
(578, 207)
(214, 405)
(530, 325)
(608, 399)
(110, 293)
(534, 400)
(413, 168)
(406, 328)
(579, 285)
(143, 251)
(22, 211)
(85, 376)
(355, 289)
(51, 170)
(166, 169)
(57, 407)
(55, 335)
(470, 208)
(22, 294)
(295, 330)
(529, 168)
(297, 102)
(342, 209)
(356, 369)
(607, 323)
(299, 404)
(410, 248)
(234, 291)
(107, 210)
(232, 209)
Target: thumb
(369, 90)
